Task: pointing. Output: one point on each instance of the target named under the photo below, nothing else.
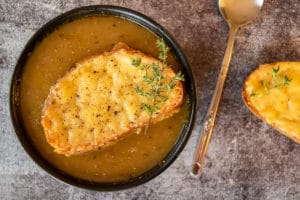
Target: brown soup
(53, 57)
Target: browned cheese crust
(95, 104)
(271, 100)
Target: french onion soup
(100, 101)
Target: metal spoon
(236, 13)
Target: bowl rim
(101, 10)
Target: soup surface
(53, 57)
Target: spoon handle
(209, 121)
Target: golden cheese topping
(96, 102)
(272, 92)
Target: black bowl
(140, 20)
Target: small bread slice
(95, 104)
(272, 93)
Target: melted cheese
(277, 105)
(96, 102)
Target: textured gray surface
(246, 159)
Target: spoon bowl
(237, 13)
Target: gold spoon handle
(209, 121)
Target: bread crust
(59, 138)
(253, 108)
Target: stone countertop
(247, 159)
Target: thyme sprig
(274, 76)
(285, 80)
(154, 77)
(136, 62)
(275, 82)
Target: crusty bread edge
(246, 99)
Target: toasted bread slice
(272, 93)
(96, 102)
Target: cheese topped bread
(272, 92)
(96, 103)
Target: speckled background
(247, 159)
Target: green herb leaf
(145, 67)
(163, 49)
(286, 80)
(170, 86)
(274, 76)
(161, 56)
(253, 94)
(148, 79)
(148, 108)
(153, 76)
(139, 90)
(136, 62)
(156, 71)
(275, 72)
(164, 98)
(179, 77)
(155, 91)
(147, 94)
